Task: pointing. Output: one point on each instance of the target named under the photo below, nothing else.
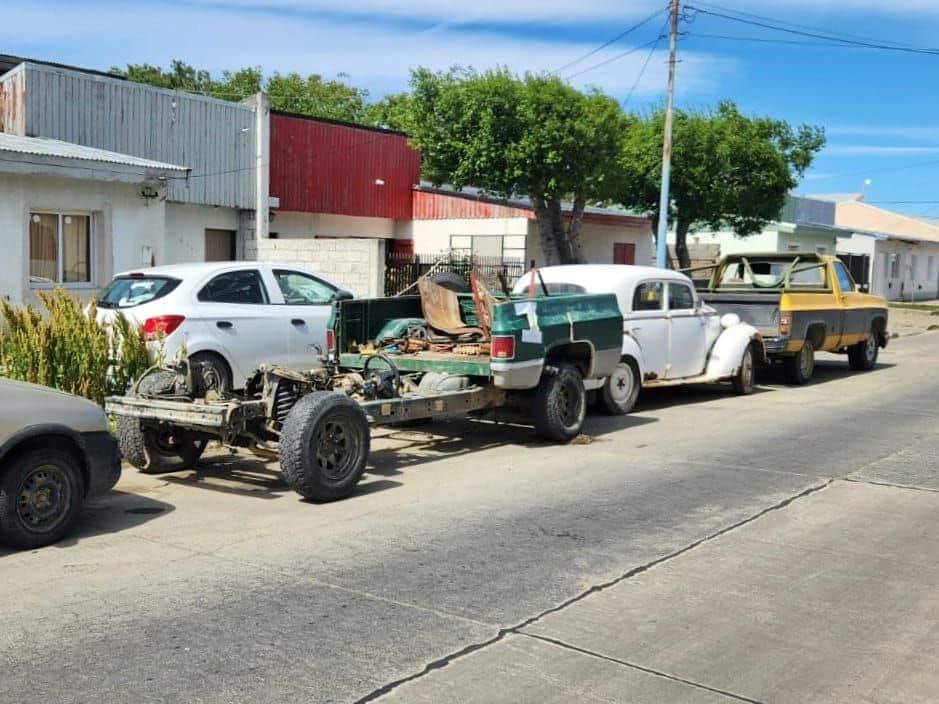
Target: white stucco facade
(186, 224)
(291, 225)
(126, 229)
(776, 238)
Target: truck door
(649, 326)
(854, 318)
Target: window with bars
(60, 248)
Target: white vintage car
(670, 336)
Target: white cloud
(893, 132)
(877, 150)
(378, 57)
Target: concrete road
(707, 548)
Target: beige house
(903, 250)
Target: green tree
(728, 170)
(530, 135)
(391, 112)
(312, 95)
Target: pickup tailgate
(761, 310)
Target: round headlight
(728, 320)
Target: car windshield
(130, 291)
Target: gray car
(56, 450)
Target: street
(779, 547)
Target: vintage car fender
(725, 355)
(632, 349)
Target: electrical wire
(645, 65)
(767, 40)
(609, 42)
(816, 35)
(615, 58)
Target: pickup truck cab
(801, 303)
(670, 337)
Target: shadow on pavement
(112, 513)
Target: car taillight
(785, 323)
(330, 340)
(153, 328)
(503, 347)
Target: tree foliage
(311, 95)
(728, 169)
(509, 135)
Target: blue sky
(881, 109)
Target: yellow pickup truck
(801, 303)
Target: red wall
(324, 167)
(441, 206)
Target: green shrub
(65, 348)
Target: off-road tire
(57, 474)
(451, 281)
(559, 403)
(324, 445)
(620, 400)
(147, 451)
(862, 356)
(800, 367)
(742, 381)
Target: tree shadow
(114, 512)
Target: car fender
(631, 349)
(724, 358)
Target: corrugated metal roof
(38, 146)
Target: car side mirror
(342, 295)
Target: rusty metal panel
(214, 138)
(319, 166)
(13, 102)
(442, 206)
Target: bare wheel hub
(43, 497)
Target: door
(648, 325)
(304, 315)
(854, 317)
(234, 311)
(688, 338)
(219, 245)
(624, 253)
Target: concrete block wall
(355, 264)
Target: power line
(816, 35)
(616, 58)
(608, 42)
(768, 40)
(645, 65)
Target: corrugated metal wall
(324, 167)
(441, 206)
(215, 139)
(13, 102)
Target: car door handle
(298, 321)
(224, 324)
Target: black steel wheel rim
(568, 403)
(43, 498)
(334, 448)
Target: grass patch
(927, 307)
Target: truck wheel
(619, 392)
(800, 367)
(863, 355)
(324, 446)
(154, 451)
(559, 403)
(41, 496)
(743, 379)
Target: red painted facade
(326, 167)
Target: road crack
(442, 662)
(641, 668)
(872, 482)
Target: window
(845, 282)
(244, 286)
(505, 248)
(59, 248)
(130, 291)
(680, 297)
(302, 289)
(648, 296)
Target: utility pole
(661, 239)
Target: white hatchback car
(230, 317)
(670, 336)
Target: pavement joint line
(890, 484)
(642, 668)
(445, 660)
